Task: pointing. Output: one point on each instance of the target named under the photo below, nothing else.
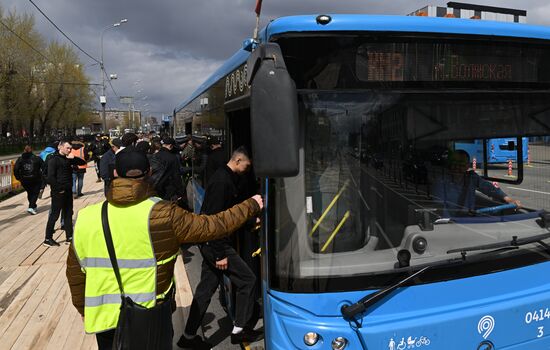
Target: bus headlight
(311, 338)
(339, 343)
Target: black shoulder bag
(139, 328)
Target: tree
(42, 85)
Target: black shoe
(246, 336)
(195, 343)
(50, 242)
(68, 240)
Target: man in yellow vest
(146, 234)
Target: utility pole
(103, 97)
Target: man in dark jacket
(170, 187)
(216, 158)
(98, 148)
(28, 170)
(107, 164)
(219, 258)
(60, 179)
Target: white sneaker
(32, 211)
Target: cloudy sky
(169, 47)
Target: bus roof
(377, 23)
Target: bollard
(474, 164)
(510, 166)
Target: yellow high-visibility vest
(135, 257)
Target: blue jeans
(80, 178)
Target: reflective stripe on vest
(135, 257)
(122, 263)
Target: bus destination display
(447, 62)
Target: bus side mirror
(274, 113)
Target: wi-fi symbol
(486, 326)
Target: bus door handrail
(333, 234)
(334, 200)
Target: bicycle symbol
(422, 341)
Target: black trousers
(105, 340)
(242, 279)
(96, 163)
(61, 203)
(33, 189)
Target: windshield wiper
(514, 243)
(349, 311)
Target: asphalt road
(534, 190)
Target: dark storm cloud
(169, 47)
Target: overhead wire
(65, 35)
(62, 83)
(26, 42)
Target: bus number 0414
(537, 316)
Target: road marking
(523, 189)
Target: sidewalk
(35, 302)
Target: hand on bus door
(259, 200)
(222, 264)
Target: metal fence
(15, 145)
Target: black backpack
(46, 161)
(26, 169)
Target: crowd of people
(147, 210)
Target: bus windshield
(387, 170)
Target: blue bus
(367, 239)
(500, 150)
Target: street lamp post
(103, 98)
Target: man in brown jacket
(169, 227)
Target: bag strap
(110, 246)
